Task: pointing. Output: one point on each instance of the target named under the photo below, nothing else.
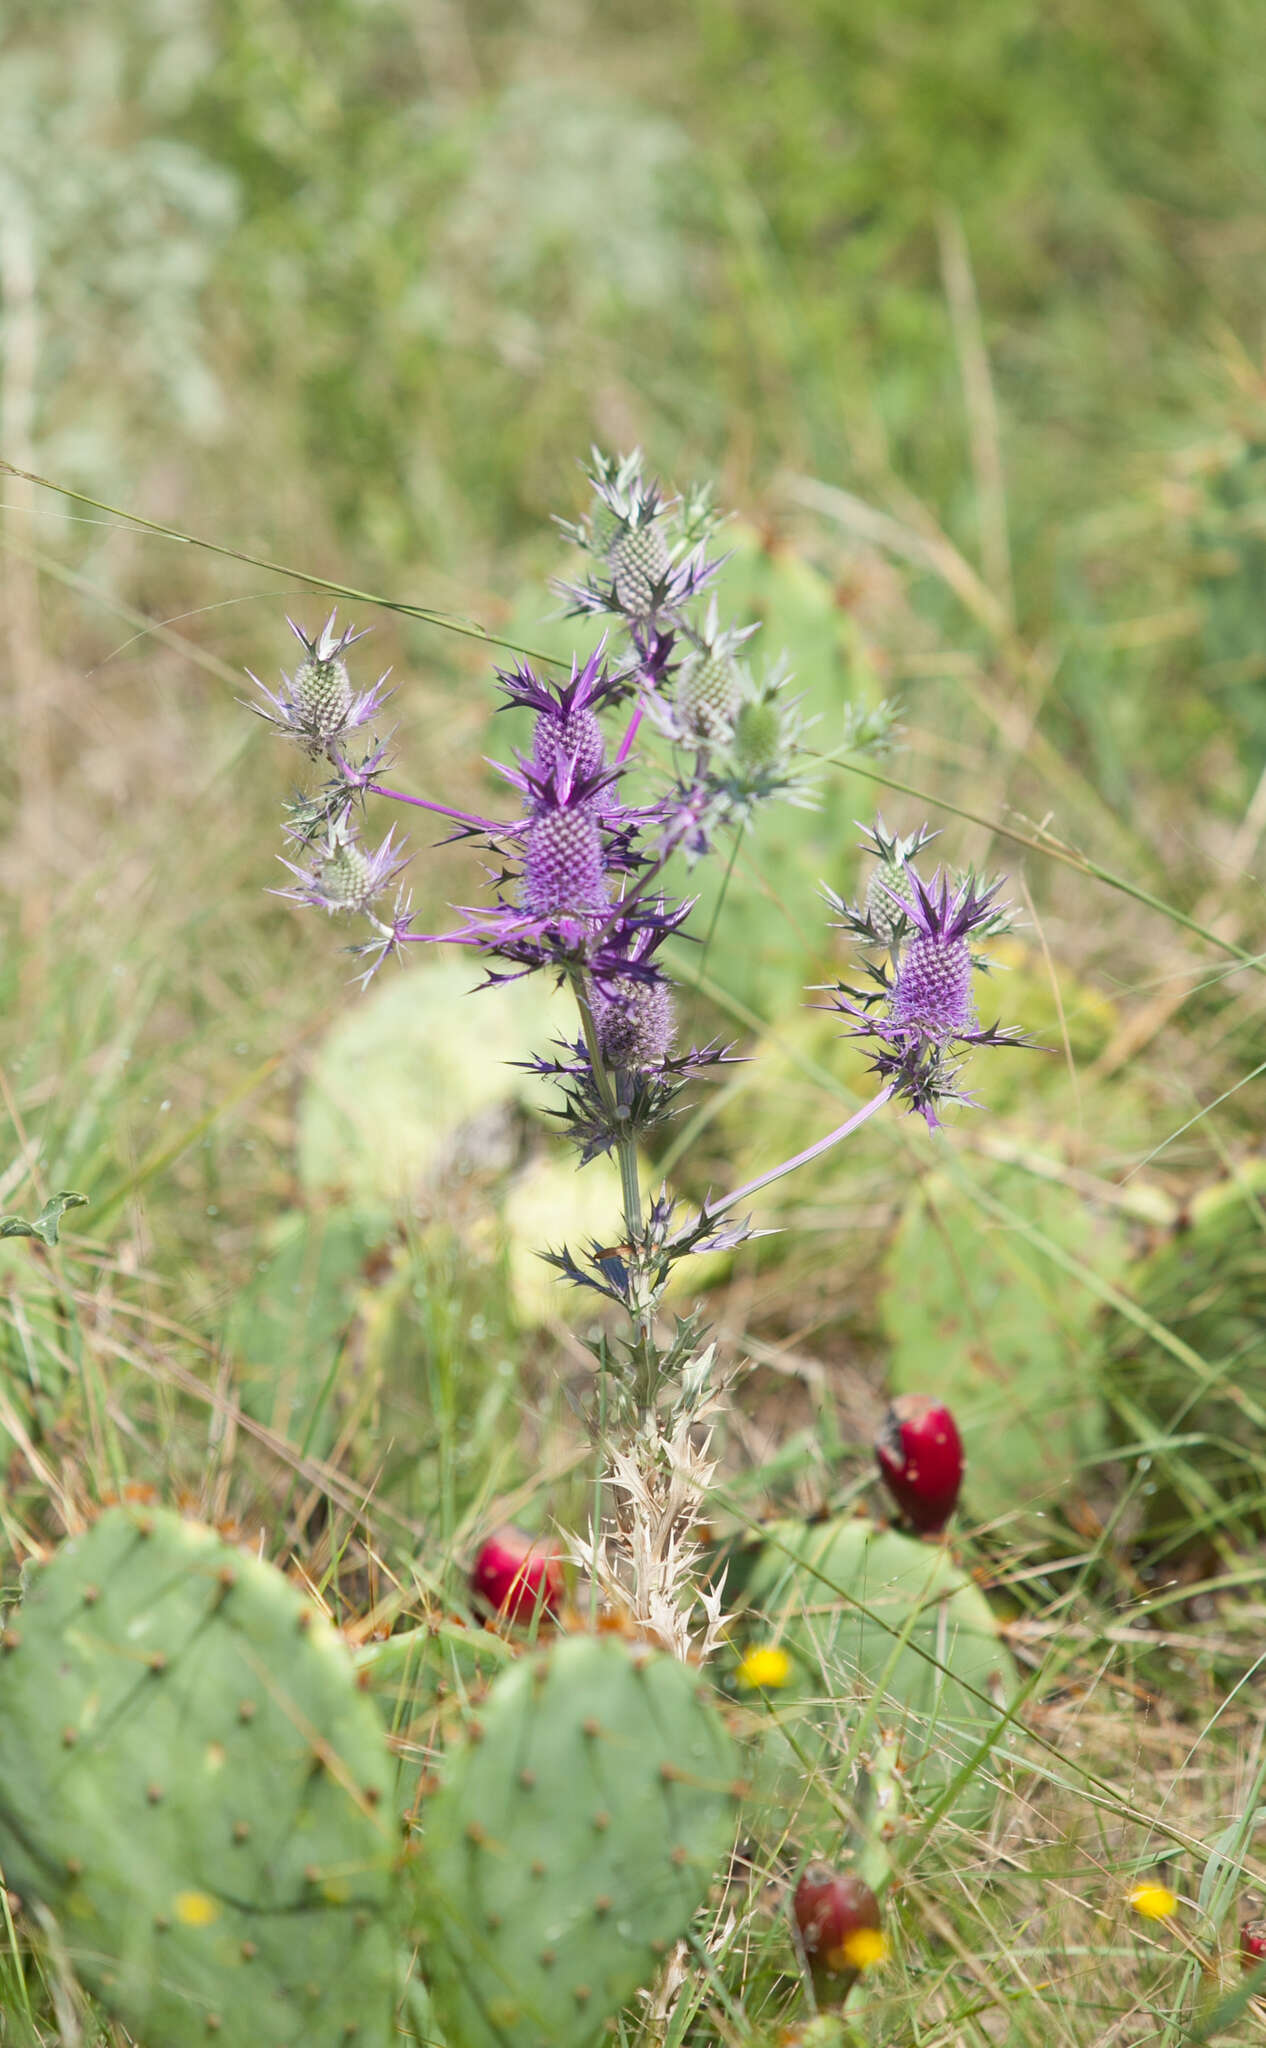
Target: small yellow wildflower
(1153, 1901)
(860, 1950)
(765, 1667)
(196, 1909)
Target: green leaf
(47, 1223)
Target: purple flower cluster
(919, 1013)
(577, 872)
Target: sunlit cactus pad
(887, 1638)
(191, 1782)
(574, 1836)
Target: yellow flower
(1153, 1901)
(860, 1950)
(765, 1667)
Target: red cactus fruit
(517, 1576)
(837, 1916)
(1253, 1943)
(920, 1457)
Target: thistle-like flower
(317, 705)
(652, 548)
(634, 1021)
(341, 874)
(921, 1013)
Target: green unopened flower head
(887, 899)
(317, 705)
(341, 874)
(709, 694)
(322, 693)
(639, 566)
(758, 736)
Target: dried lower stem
(644, 1562)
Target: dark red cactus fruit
(517, 1576)
(837, 1917)
(920, 1457)
(1253, 1943)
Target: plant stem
(626, 1152)
(763, 1180)
(421, 803)
(630, 1190)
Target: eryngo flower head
(932, 992)
(882, 918)
(564, 864)
(567, 738)
(652, 548)
(341, 874)
(317, 705)
(708, 689)
(634, 1021)
(761, 757)
(629, 998)
(922, 1016)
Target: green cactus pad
(1206, 1287)
(975, 1313)
(287, 1326)
(890, 1644)
(191, 1782)
(422, 1682)
(574, 1836)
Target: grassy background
(964, 313)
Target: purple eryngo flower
(634, 1021)
(317, 705)
(567, 736)
(631, 1006)
(923, 1015)
(557, 903)
(564, 858)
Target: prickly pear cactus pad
(1000, 1332)
(574, 1835)
(191, 1782)
(422, 1683)
(888, 1640)
(1205, 1286)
